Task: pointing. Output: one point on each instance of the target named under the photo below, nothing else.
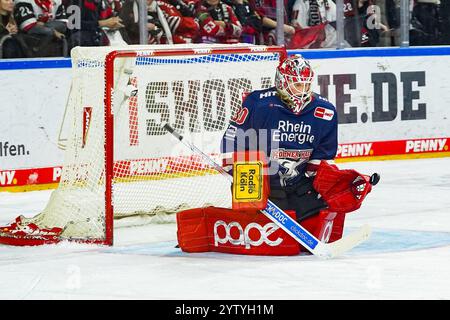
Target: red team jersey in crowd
(211, 31)
(184, 29)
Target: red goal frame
(109, 116)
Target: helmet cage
(293, 80)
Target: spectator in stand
(372, 27)
(98, 18)
(426, 23)
(267, 11)
(159, 31)
(445, 21)
(45, 23)
(158, 27)
(315, 24)
(130, 20)
(185, 7)
(183, 26)
(250, 20)
(390, 16)
(10, 44)
(115, 35)
(362, 24)
(218, 22)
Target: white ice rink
(407, 257)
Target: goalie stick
(284, 221)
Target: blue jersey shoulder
(260, 97)
(321, 101)
(322, 108)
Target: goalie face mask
(293, 81)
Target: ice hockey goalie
(296, 131)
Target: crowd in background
(49, 28)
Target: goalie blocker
(243, 230)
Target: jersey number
(209, 27)
(25, 11)
(240, 116)
(348, 7)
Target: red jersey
(213, 32)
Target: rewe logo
(244, 234)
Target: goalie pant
(249, 232)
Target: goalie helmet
(293, 81)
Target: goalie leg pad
(233, 231)
(251, 233)
(326, 226)
(338, 228)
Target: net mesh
(153, 174)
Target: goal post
(119, 162)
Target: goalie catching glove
(343, 190)
(339, 191)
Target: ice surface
(407, 257)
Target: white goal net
(119, 161)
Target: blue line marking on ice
(165, 248)
(387, 241)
